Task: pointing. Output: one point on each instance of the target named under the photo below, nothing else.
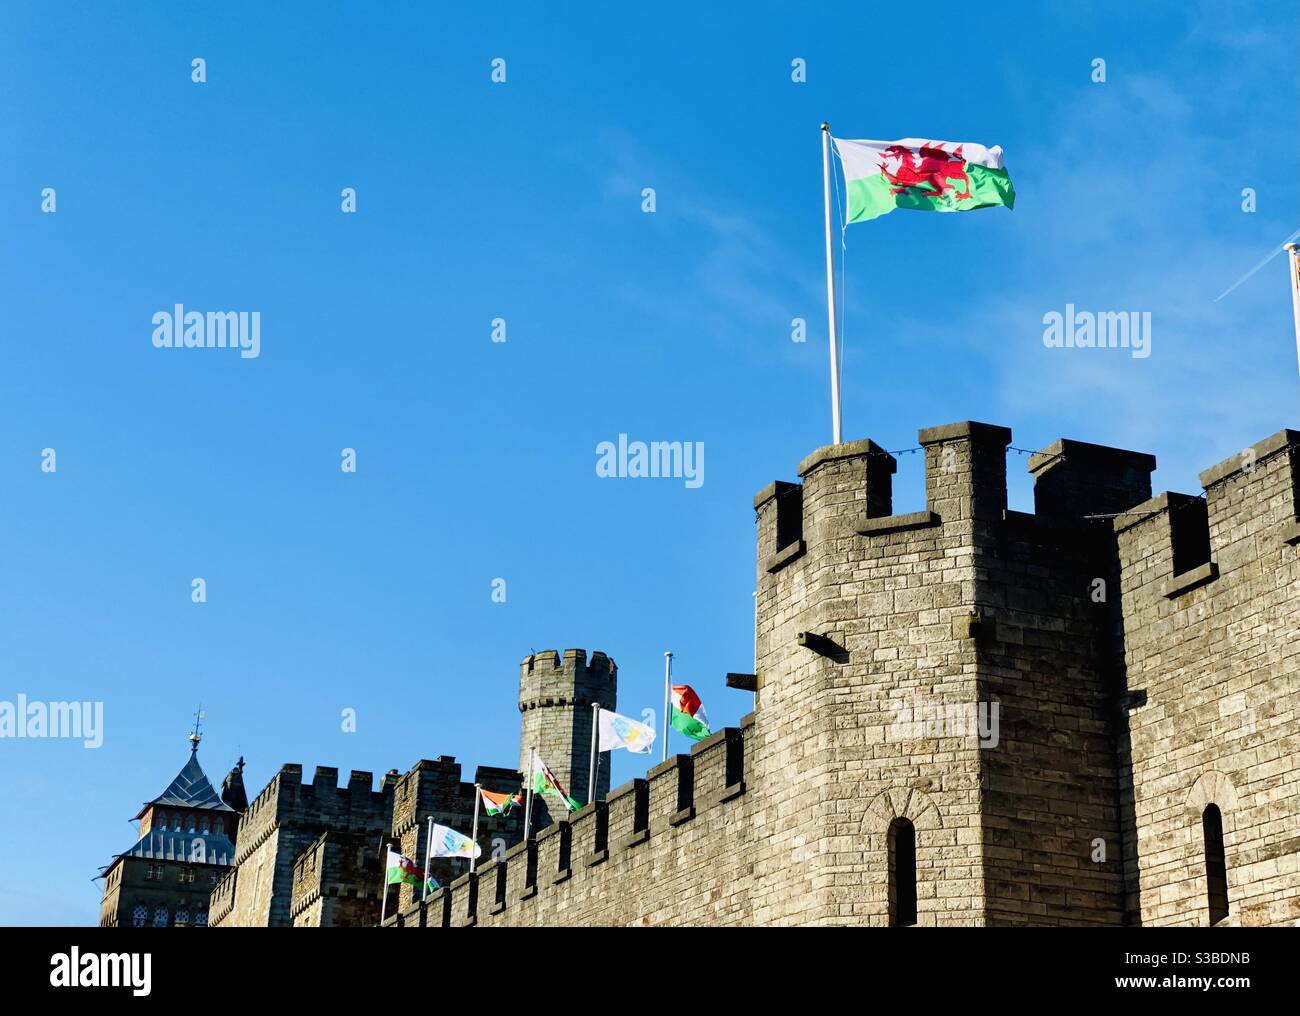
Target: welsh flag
(928, 176)
(688, 715)
(544, 782)
(498, 804)
(403, 871)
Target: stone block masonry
(1212, 656)
(283, 823)
(672, 848)
(964, 715)
(1137, 656)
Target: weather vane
(195, 736)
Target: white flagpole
(668, 681)
(1293, 265)
(473, 854)
(528, 805)
(595, 740)
(830, 286)
(428, 856)
(383, 907)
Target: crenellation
(521, 866)
(553, 854)
(1075, 481)
(591, 834)
(629, 815)
(1254, 496)
(360, 781)
(966, 471)
(964, 716)
(464, 901)
(1162, 542)
(779, 508)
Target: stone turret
(555, 699)
(232, 788)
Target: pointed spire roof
(190, 788)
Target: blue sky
(476, 459)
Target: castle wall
(433, 789)
(281, 824)
(1213, 670)
(1141, 654)
(1053, 852)
(675, 848)
(337, 883)
(878, 597)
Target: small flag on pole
(1293, 263)
(544, 782)
(928, 176)
(618, 731)
(500, 804)
(403, 871)
(688, 715)
(446, 842)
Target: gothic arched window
(182, 917)
(160, 916)
(1216, 863)
(902, 873)
(201, 919)
(139, 916)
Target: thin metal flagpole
(1293, 265)
(595, 740)
(830, 286)
(383, 907)
(668, 683)
(428, 857)
(528, 805)
(473, 835)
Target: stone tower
(185, 846)
(893, 642)
(555, 699)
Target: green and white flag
(544, 782)
(928, 176)
(402, 870)
(499, 804)
(617, 731)
(688, 713)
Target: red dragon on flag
(926, 170)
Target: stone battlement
(964, 715)
(282, 823)
(547, 679)
(337, 882)
(678, 801)
(322, 801)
